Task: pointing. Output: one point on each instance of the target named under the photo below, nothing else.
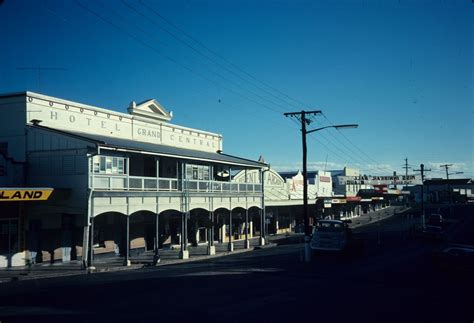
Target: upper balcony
(137, 173)
(153, 184)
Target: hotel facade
(119, 181)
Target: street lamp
(455, 173)
(449, 189)
(307, 233)
(304, 121)
(340, 126)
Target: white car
(330, 235)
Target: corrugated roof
(162, 150)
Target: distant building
(442, 191)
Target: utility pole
(405, 182)
(446, 166)
(302, 117)
(447, 182)
(422, 170)
(406, 167)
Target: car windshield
(329, 227)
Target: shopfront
(13, 222)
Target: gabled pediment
(150, 109)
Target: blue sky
(401, 69)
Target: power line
(354, 156)
(206, 57)
(136, 38)
(354, 145)
(220, 56)
(39, 69)
(189, 69)
(345, 159)
(238, 68)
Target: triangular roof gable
(150, 109)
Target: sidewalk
(112, 263)
(376, 216)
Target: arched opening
(238, 223)
(254, 221)
(170, 228)
(198, 226)
(278, 219)
(221, 222)
(142, 232)
(109, 234)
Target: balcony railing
(136, 183)
(133, 183)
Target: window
(95, 164)
(120, 167)
(4, 148)
(109, 165)
(9, 236)
(115, 165)
(102, 164)
(197, 172)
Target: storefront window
(8, 236)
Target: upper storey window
(197, 172)
(109, 165)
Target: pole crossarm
(302, 116)
(292, 114)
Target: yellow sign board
(24, 194)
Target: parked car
(330, 235)
(433, 232)
(455, 257)
(435, 220)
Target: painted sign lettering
(8, 195)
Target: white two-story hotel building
(121, 181)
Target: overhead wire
(365, 157)
(151, 9)
(354, 156)
(189, 69)
(317, 139)
(207, 57)
(217, 74)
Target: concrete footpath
(113, 263)
(377, 216)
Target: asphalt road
(392, 281)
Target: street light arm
(341, 126)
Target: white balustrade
(137, 183)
